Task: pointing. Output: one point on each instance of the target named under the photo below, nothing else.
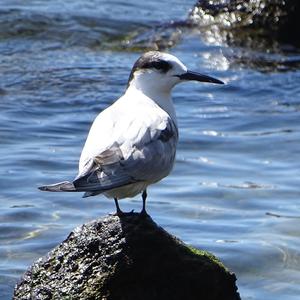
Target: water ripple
(235, 186)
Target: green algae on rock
(128, 258)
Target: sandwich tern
(132, 143)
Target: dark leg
(144, 196)
(119, 211)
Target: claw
(144, 213)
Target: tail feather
(65, 186)
(89, 194)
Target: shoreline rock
(126, 258)
(263, 24)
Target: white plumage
(132, 143)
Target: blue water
(235, 188)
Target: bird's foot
(143, 213)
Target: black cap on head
(150, 60)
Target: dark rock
(263, 34)
(127, 258)
(254, 23)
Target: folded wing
(145, 152)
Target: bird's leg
(119, 211)
(144, 196)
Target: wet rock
(262, 34)
(255, 24)
(126, 258)
(252, 23)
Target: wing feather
(140, 148)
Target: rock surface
(126, 258)
(253, 29)
(254, 23)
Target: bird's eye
(160, 65)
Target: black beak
(189, 75)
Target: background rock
(252, 23)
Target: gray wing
(153, 160)
(150, 159)
(104, 172)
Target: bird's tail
(65, 186)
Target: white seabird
(132, 143)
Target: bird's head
(160, 72)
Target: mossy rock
(126, 258)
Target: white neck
(159, 93)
